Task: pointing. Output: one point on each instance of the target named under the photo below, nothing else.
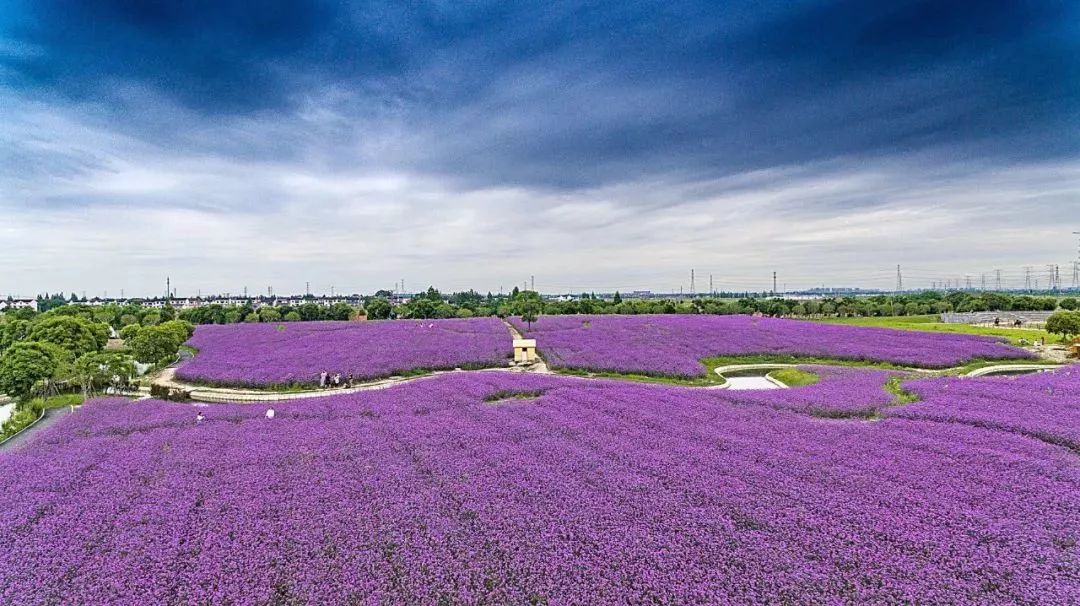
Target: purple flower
(673, 344)
(449, 490)
(297, 352)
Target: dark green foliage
(28, 365)
(75, 334)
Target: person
(269, 413)
(322, 379)
(337, 380)
(199, 418)
(348, 381)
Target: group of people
(334, 381)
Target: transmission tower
(774, 283)
(982, 283)
(899, 280)
(692, 286)
(997, 279)
(1050, 268)
(1076, 264)
(1027, 277)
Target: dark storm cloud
(565, 95)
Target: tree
(181, 328)
(379, 309)
(129, 331)
(292, 316)
(27, 363)
(12, 331)
(76, 335)
(617, 298)
(1064, 323)
(154, 345)
(1070, 304)
(529, 311)
(100, 370)
(269, 314)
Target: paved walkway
(51, 416)
(739, 383)
(1006, 369)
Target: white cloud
(124, 213)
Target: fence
(1028, 319)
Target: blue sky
(594, 145)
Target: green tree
(269, 314)
(100, 370)
(1070, 304)
(26, 364)
(379, 309)
(340, 311)
(129, 331)
(1064, 323)
(529, 311)
(181, 328)
(155, 345)
(12, 331)
(617, 298)
(76, 335)
(292, 316)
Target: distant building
(12, 303)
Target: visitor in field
(199, 418)
(322, 379)
(269, 413)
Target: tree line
(64, 348)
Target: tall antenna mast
(899, 280)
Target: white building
(12, 303)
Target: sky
(594, 145)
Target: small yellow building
(524, 351)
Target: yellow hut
(524, 351)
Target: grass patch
(901, 396)
(60, 401)
(793, 377)
(511, 394)
(710, 378)
(932, 324)
(717, 361)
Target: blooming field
(673, 344)
(590, 492)
(296, 353)
(1045, 405)
(841, 392)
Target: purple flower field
(260, 355)
(841, 392)
(1045, 405)
(589, 492)
(672, 345)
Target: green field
(793, 377)
(931, 324)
